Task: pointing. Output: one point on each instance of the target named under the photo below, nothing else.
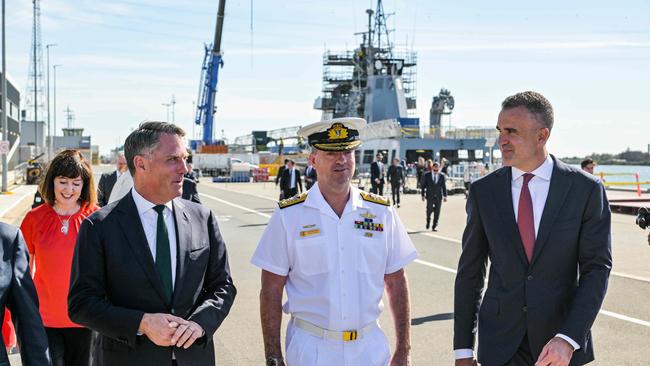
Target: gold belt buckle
(350, 335)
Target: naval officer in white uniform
(335, 249)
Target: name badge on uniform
(311, 230)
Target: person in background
(420, 169)
(50, 232)
(191, 174)
(290, 182)
(189, 190)
(588, 165)
(434, 190)
(310, 176)
(122, 187)
(107, 181)
(278, 177)
(377, 174)
(19, 295)
(396, 177)
(444, 166)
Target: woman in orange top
(50, 231)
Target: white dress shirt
(538, 187)
(292, 180)
(335, 269)
(149, 219)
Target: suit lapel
(557, 192)
(503, 202)
(132, 226)
(183, 245)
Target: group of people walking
(149, 273)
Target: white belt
(346, 336)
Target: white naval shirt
(335, 270)
(149, 219)
(538, 186)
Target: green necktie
(163, 256)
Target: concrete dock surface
(621, 331)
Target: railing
(637, 181)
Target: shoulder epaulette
(299, 198)
(375, 198)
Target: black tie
(163, 256)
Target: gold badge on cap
(337, 132)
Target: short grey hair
(535, 103)
(146, 138)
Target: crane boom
(212, 62)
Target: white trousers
(306, 349)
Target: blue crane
(212, 62)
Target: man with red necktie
(545, 227)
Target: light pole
(173, 103)
(5, 132)
(167, 105)
(49, 132)
(54, 94)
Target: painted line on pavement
(436, 266)
(20, 192)
(602, 311)
(441, 237)
(625, 318)
(235, 205)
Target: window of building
(368, 156)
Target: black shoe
(428, 225)
(434, 228)
(398, 205)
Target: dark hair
(147, 137)
(70, 164)
(586, 162)
(535, 103)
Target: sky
(121, 60)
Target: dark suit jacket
(189, 190)
(278, 177)
(563, 287)
(310, 177)
(114, 282)
(395, 175)
(17, 292)
(377, 172)
(285, 180)
(431, 190)
(105, 186)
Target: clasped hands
(168, 330)
(557, 352)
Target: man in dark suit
(434, 190)
(290, 181)
(377, 174)
(190, 192)
(191, 174)
(278, 177)
(107, 181)
(169, 286)
(396, 178)
(310, 176)
(545, 227)
(19, 295)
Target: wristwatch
(274, 361)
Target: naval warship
(378, 82)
